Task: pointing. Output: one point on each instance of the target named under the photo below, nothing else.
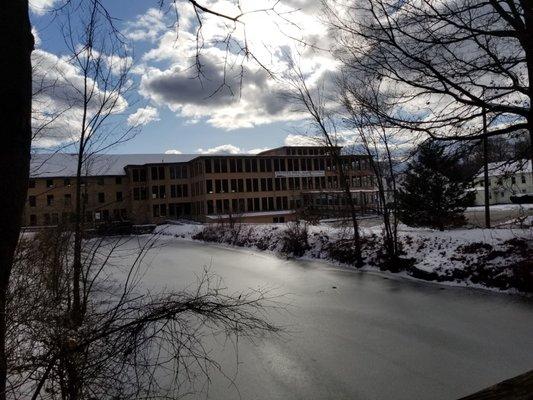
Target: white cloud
(143, 116)
(222, 149)
(57, 102)
(36, 37)
(230, 149)
(218, 95)
(302, 140)
(172, 151)
(39, 7)
(146, 27)
(258, 150)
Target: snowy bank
(492, 258)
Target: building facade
(272, 186)
(505, 180)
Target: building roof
(64, 164)
(507, 168)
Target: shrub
(294, 241)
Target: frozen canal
(368, 338)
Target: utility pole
(486, 169)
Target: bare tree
(131, 342)
(379, 142)
(314, 104)
(448, 62)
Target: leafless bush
(128, 343)
(294, 241)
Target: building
(272, 186)
(505, 180)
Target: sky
(177, 111)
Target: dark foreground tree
(434, 192)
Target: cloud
(146, 27)
(230, 91)
(230, 149)
(222, 149)
(57, 105)
(143, 116)
(301, 140)
(172, 151)
(39, 7)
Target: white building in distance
(505, 180)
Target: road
(351, 335)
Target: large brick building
(272, 186)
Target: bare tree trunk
(348, 194)
(15, 81)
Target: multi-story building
(505, 180)
(272, 186)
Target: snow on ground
(502, 207)
(497, 258)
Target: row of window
(159, 173)
(176, 191)
(235, 206)
(499, 181)
(51, 183)
(97, 216)
(236, 165)
(67, 199)
(171, 210)
(280, 184)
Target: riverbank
(496, 259)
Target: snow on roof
(64, 164)
(507, 168)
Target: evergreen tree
(435, 192)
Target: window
(156, 210)
(47, 219)
(67, 199)
(209, 186)
(139, 175)
(248, 185)
(119, 196)
(50, 200)
(162, 191)
(118, 180)
(31, 201)
(523, 178)
(154, 177)
(513, 180)
(208, 168)
(33, 219)
(31, 183)
(66, 182)
(100, 181)
(101, 197)
(55, 218)
(49, 183)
